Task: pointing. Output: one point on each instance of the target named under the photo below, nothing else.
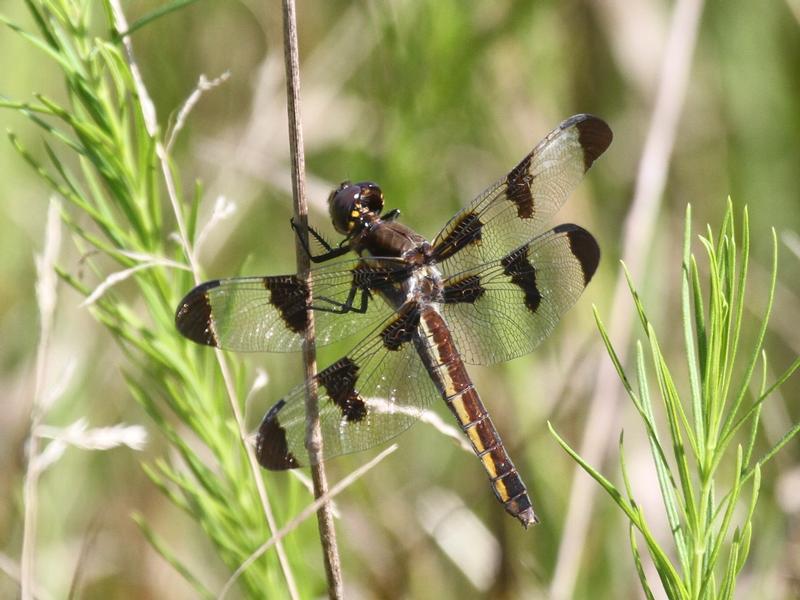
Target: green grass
(706, 464)
(433, 101)
(104, 163)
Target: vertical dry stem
(46, 299)
(313, 433)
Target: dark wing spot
(594, 136)
(289, 295)
(272, 448)
(518, 189)
(402, 329)
(339, 381)
(193, 316)
(522, 273)
(584, 247)
(467, 230)
(468, 290)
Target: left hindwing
(504, 308)
(368, 396)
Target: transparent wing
(369, 396)
(269, 314)
(504, 308)
(516, 208)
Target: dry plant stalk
(327, 529)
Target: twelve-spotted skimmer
(490, 287)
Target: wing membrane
(506, 307)
(268, 314)
(516, 208)
(369, 396)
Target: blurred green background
(433, 100)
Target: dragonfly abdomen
(448, 372)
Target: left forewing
(269, 314)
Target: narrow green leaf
(729, 580)
(748, 522)
(787, 437)
(671, 401)
(744, 547)
(44, 28)
(613, 355)
(756, 420)
(737, 301)
(666, 480)
(54, 131)
(609, 487)
(161, 547)
(688, 335)
(745, 383)
(637, 301)
(699, 319)
(38, 43)
(625, 480)
(721, 534)
(161, 11)
(23, 106)
(637, 561)
(670, 578)
(755, 406)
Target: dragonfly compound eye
(344, 206)
(371, 197)
(351, 202)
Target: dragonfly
(490, 287)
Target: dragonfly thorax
(425, 285)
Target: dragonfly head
(353, 205)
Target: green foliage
(104, 163)
(711, 468)
(433, 100)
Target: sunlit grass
(103, 160)
(705, 464)
(433, 101)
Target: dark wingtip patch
(584, 247)
(272, 447)
(193, 315)
(594, 135)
